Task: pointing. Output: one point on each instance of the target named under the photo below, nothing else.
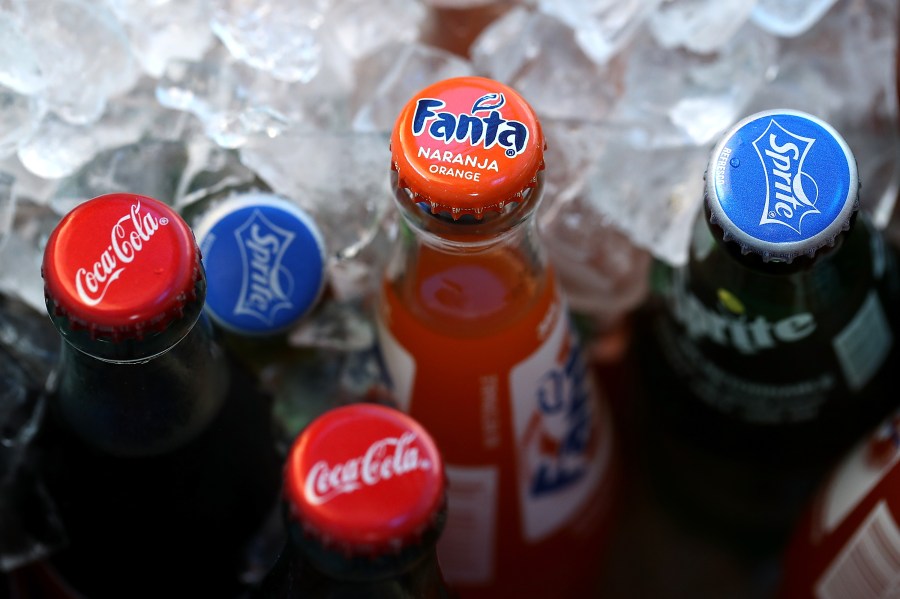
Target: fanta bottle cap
(365, 479)
(467, 144)
(782, 184)
(265, 263)
(121, 265)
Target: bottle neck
(755, 261)
(512, 226)
(412, 571)
(141, 396)
(133, 346)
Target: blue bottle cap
(782, 183)
(265, 263)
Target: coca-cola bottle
(365, 503)
(157, 448)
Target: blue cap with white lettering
(782, 184)
(265, 263)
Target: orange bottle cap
(466, 145)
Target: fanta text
(485, 131)
(127, 238)
(384, 459)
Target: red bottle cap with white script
(121, 264)
(365, 479)
(466, 145)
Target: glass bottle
(479, 347)
(158, 449)
(365, 502)
(847, 542)
(772, 349)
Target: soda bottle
(771, 350)
(365, 502)
(158, 449)
(479, 347)
(847, 543)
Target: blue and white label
(264, 263)
(782, 178)
(564, 442)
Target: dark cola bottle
(772, 349)
(158, 447)
(365, 503)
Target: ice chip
(19, 118)
(699, 25)
(280, 37)
(789, 18)
(393, 74)
(602, 27)
(19, 67)
(339, 178)
(363, 26)
(163, 30)
(82, 70)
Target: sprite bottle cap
(265, 263)
(782, 184)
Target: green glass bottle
(772, 349)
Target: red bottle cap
(466, 145)
(121, 264)
(365, 479)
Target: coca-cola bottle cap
(782, 184)
(121, 265)
(365, 479)
(265, 263)
(467, 144)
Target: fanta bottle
(479, 347)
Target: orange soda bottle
(478, 346)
